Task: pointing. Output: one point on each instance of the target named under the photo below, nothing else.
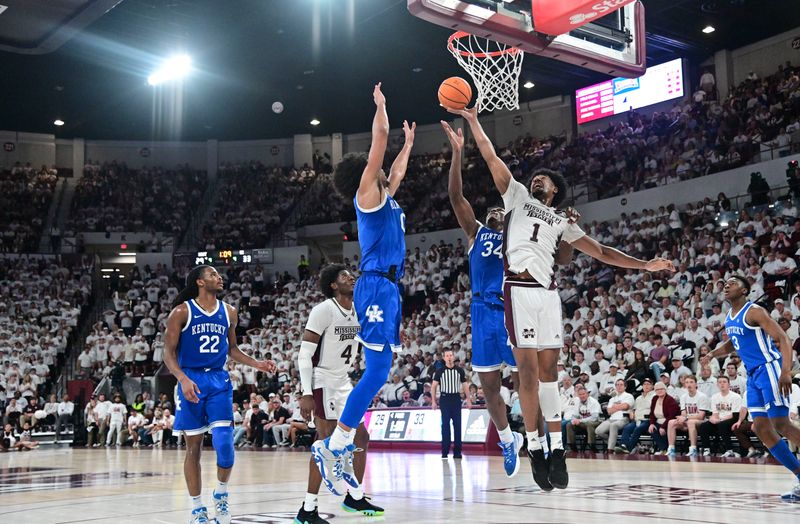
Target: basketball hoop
(494, 67)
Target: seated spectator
(618, 407)
(726, 410)
(695, 405)
(639, 422)
(663, 409)
(586, 416)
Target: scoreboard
(228, 257)
(423, 425)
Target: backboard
(605, 37)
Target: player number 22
(205, 340)
(489, 252)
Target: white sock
(222, 488)
(357, 493)
(533, 440)
(197, 502)
(555, 440)
(671, 448)
(545, 445)
(506, 435)
(310, 504)
(692, 448)
(339, 439)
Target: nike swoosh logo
(227, 380)
(197, 316)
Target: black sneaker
(559, 477)
(363, 506)
(309, 517)
(541, 469)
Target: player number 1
(535, 235)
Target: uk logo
(374, 314)
(529, 333)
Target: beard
(539, 194)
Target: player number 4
(347, 354)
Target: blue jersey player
(200, 336)
(376, 297)
(752, 333)
(490, 345)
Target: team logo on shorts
(529, 333)
(374, 314)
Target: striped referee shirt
(450, 380)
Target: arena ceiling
(320, 58)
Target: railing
(739, 203)
(746, 154)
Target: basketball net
(494, 68)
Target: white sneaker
(223, 514)
(200, 516)
(752, 453)
(792, 496)
(671, 452)
(730, 454)
(348, 472)
(331, 465)
(692, 452)
(707, 452)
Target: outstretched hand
(267, 366)
(470, 115)
(456, 138)
(409, 131)
(573, 215)
(378, 96)
(659, 264)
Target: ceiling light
(3, 8)
(314, 122)
(416, 70)
(709, 29)
(58, 122)
(173, 69)
(528, 84)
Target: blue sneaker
(511, 454)
(348, 472)
(200, 516)
(222, 511)
(331, 465)
(792, 496)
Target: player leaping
(532, 232)
(753, 333)
(490, 346)
(200, 336)
(326, 356)
(381, 236)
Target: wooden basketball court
(121, 486)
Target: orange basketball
(455, 93)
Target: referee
(453, 382)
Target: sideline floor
(121, 486)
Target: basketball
(455, 93)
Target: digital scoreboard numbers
(226, 257)
(423, 425)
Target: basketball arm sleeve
(306, 367)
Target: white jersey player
(533, 231)
(327, 353)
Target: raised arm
(757, 316)
(615, 257)
(398, 169)
(461, 207)
(500, 172)
(369, 191)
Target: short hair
(745, 283)
(347, 175)
(558, 180)
(724, 377)
(328, 276)
(690, 377)
(448, 350)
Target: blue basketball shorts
(380, 312)
(490, 347)
(215, 408)
(764, 398)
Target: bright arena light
(314, 122)
(528, 84)
(708, 29)
(58, 122)
(173, 69)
